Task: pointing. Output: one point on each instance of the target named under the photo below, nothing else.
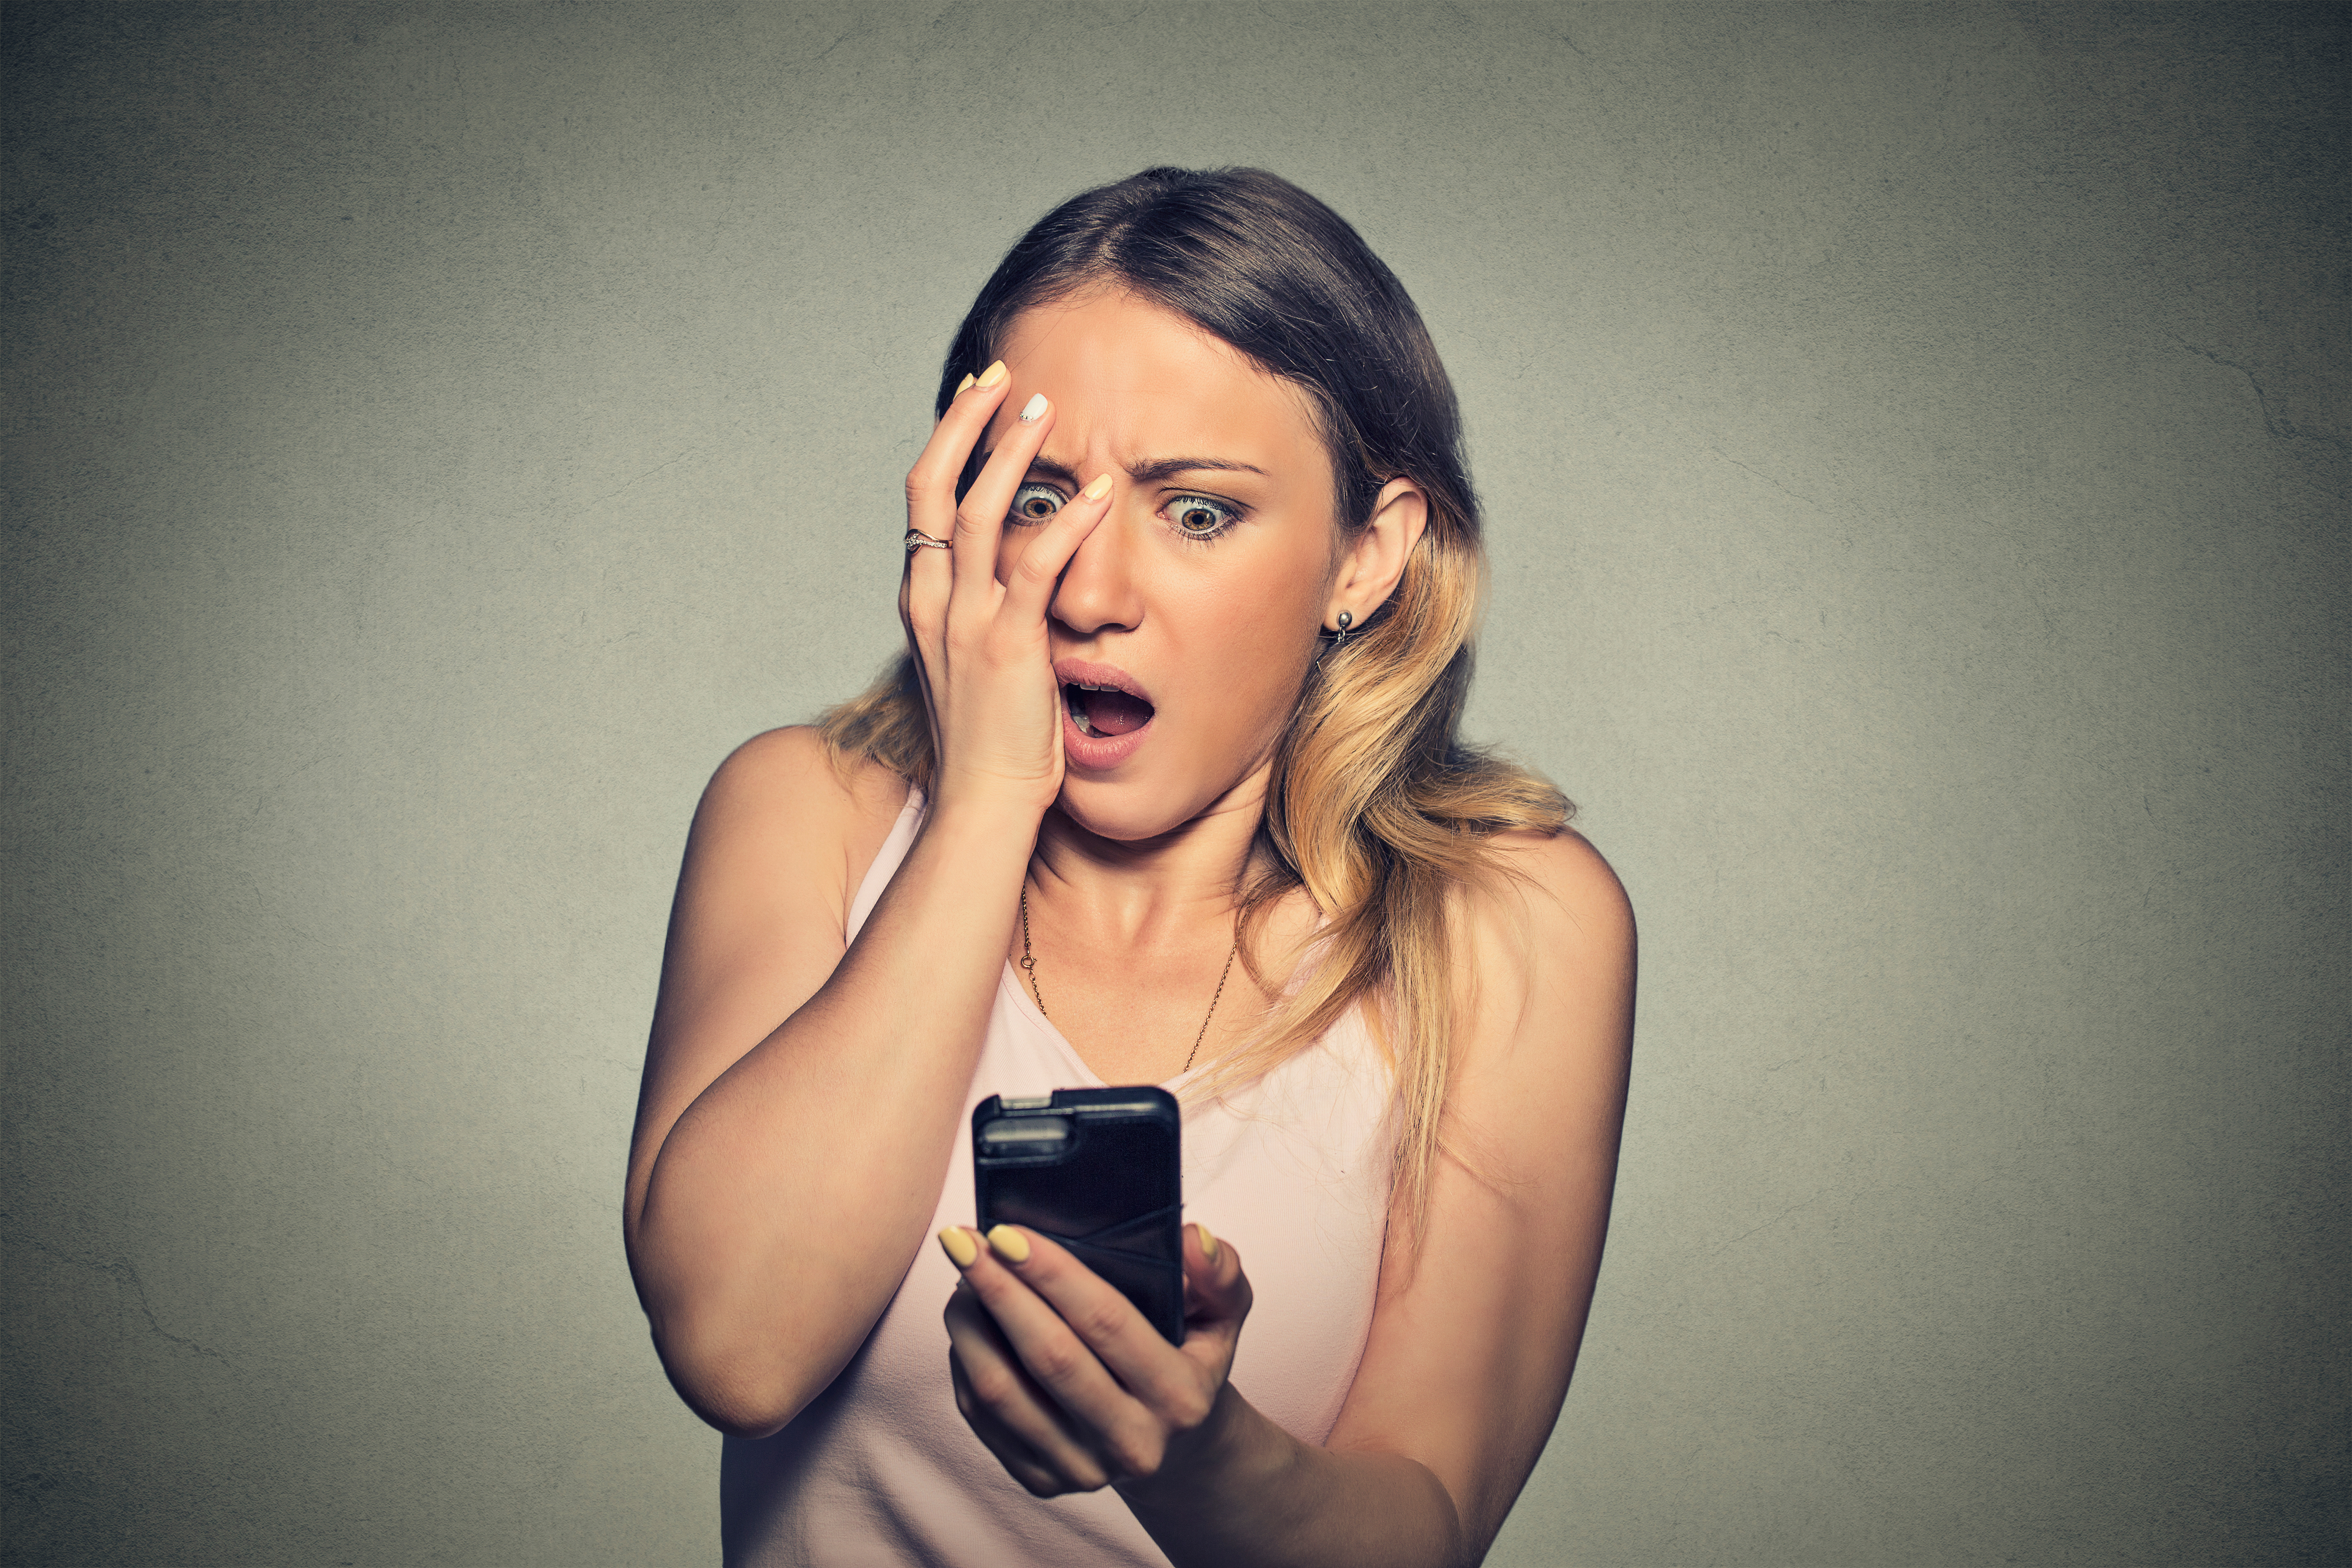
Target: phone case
(1101, 1171)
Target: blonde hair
(1376, 808)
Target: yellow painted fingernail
(964, 387)
(1096, 488)
(1008, 1244)
(959, 1245)
(1208, 1242)
(993, 374)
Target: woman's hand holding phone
(1067, 1384)
(981, 643)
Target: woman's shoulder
(1553, 934)
(784, 794)
(792, 762)
(1557, 884)
(793, 770)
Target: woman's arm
(1472, 1342)
(1471, 1346)
(800, 1101)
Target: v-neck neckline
(1026, 1005)
(918, 806)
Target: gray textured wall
(1916, 444)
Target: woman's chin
(1112, 811)
(1125, 807)
(1136, 807)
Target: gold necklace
(1029, 965)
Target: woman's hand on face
(1069, 1386)
(981, 644)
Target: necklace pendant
(1029, 967)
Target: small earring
(1340, 637)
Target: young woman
(1166, 790)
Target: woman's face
(1202, 591)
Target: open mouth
(1103, 711)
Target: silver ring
(918, 540)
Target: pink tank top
(880, 1468)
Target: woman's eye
(1198, 517)
(1035, 503)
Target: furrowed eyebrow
(1051, 470)
(1160, 468)
(1148, 473)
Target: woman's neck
(1146, 892)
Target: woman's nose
(1097, 591)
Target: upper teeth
(1088, 686)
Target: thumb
(1216, 1288)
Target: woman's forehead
(1134, 374)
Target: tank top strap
(886, 863)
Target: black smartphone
(1101, 1171)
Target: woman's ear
(1374, 560)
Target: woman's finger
(1048, 552)
(931, 482)
(962, 387)
(997, 1381)
(1048, 1345)
(931, 502)
(1111, 1335)
(980, 516)
(1129, 1427)
(923, 592)
(1021, 1461)
(1217, 1297)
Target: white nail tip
(1031, 410)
